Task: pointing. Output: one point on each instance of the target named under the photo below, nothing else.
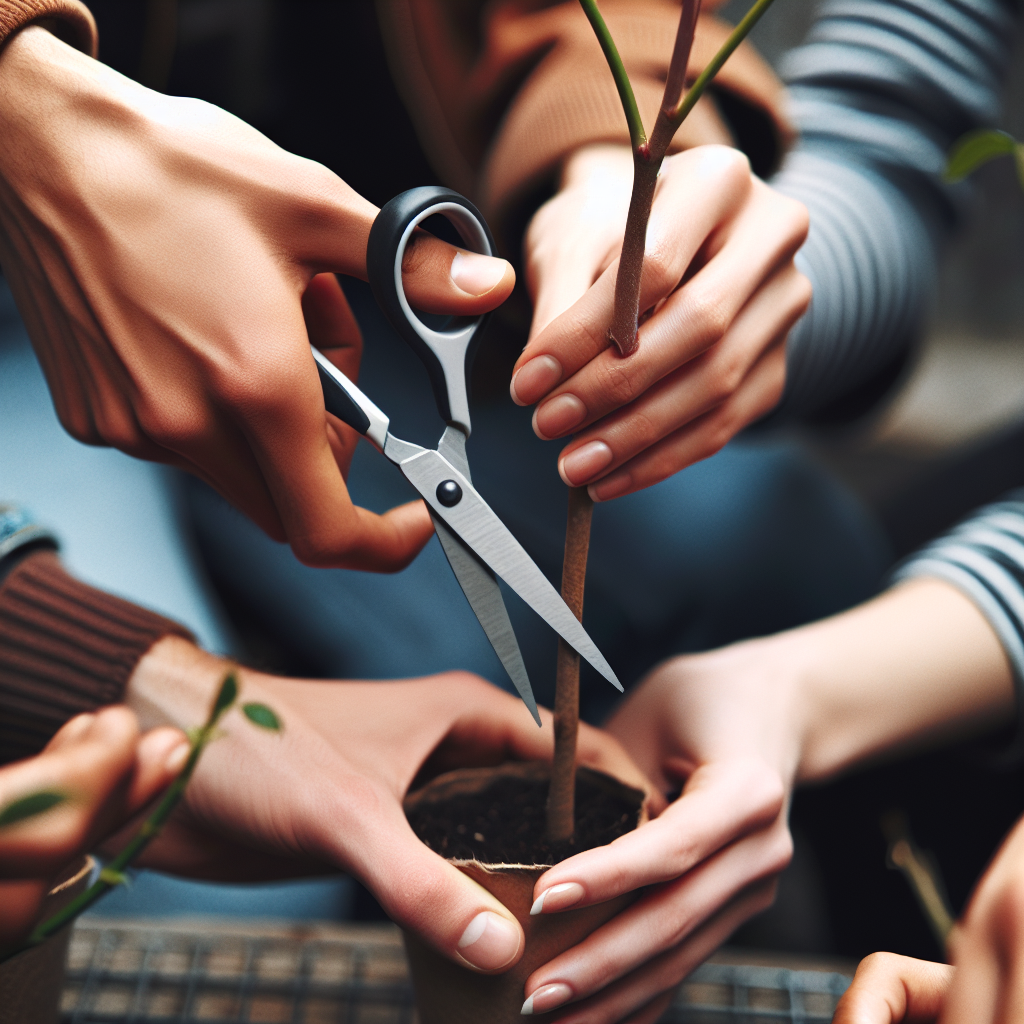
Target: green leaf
(976, 148)
(30, 806)
(114, 877)
(261, 715)
(227, 696)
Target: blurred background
(311, 74)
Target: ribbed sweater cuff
(67, 19)
(65, 648)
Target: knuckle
(803, 292)
(709, 315)
(619, 385)
(659, 273)
(797, 219)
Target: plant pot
(486, 798)
(31, 982)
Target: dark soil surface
(504, 823)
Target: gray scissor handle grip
(447, 354)
(348, 403)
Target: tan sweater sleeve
(65, 648)
(67, 19)
(502, 92)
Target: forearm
(916, 664)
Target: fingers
(685, 393)
(695, 378)
(702, 437)
(287, 433)
(159, 756)
(697, 191)
(90, 762)
(333, 330)
(653, 982)
(575, 236)
(667, 915)
(721, 802)
(889, 989)
(424, 893)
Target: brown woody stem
(561, 824)
(647, 161)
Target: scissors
(476, 542)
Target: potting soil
(505, 823)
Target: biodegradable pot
(31, 983)
(450, 814)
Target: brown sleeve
(65, 648)
(502, 92)
(67, 19)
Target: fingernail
(533, 380)
(489, 942)
(558, 897)
(177, 757)
(611, 487)
(579, 466)
(558, 416)
(476, 274)
(546, 998)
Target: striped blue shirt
(880, 90)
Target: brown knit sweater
(65, 648)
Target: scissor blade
(473, 520)
(481, 590)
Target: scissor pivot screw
(449, 493)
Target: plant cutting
(505, 827)
(113, 874)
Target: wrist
(174, 684)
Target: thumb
(438, 278)
(448, 910)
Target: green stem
(738, 34)
(113, 874)
(637, 135)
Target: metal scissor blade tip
(481, 590)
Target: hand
(985, 984)
(720, 279)
(326, 792)
(736, 729)
(711, 858)
(172, 264)
(889, 989)
(107, 772)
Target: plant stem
(113, 874)
(637, 135)
(647, 162)
(738, 34)
(561, 810)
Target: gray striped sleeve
(983, 558)
(880, 91)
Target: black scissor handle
(447, 354)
